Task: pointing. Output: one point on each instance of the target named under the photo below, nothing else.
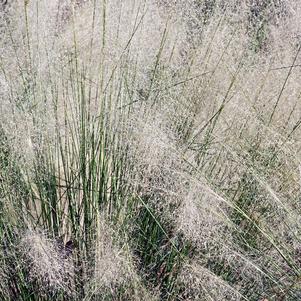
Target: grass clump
(149, 150)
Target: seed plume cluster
(150, 150)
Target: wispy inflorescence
(162, 138)
(46, 263)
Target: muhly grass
(149, 150)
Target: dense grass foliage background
(150, 150)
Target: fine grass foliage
(150, 150)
